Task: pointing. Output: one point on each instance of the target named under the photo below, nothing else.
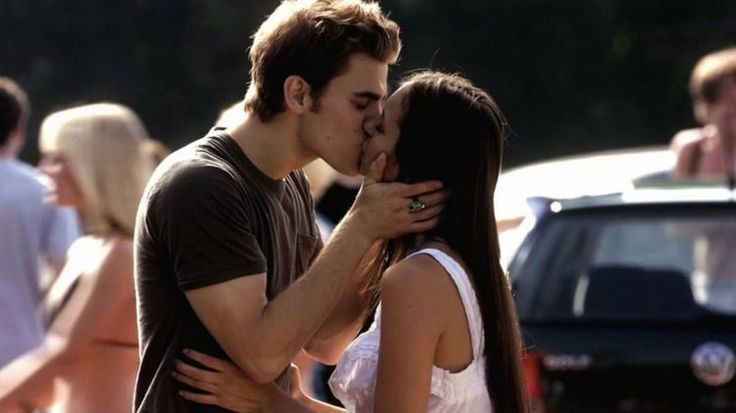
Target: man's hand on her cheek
(389, 210)
(375, 170)
(385, 165)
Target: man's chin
(353, 171)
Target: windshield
(628, 264)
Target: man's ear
(297, 97)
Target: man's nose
(372, 125)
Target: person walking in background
(446, 337)
(229, 259)
(98, 158)
(708, 152)
(30, 231)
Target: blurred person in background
(32, 232)
(98, 158)
(446, 336)
(709, 151)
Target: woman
(446, 336)
(98, 159)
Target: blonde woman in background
(98, 159)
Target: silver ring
(416, 205)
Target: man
(226, 243)
(29, 230)
(708, 152)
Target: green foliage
(571, 75)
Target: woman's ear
(297, 97)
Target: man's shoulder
(687, 138)
(298, 179)
(190, 168)
(21, 181)
(20, 170)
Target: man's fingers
(421, 226)
(434, 198)
(375, 170)
(412, 190)
(428, 213)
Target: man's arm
(262, 337)
(344, 323)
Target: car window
(628, 264)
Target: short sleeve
(205, 229)
(60, 231)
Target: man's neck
(12, 146)
(273, 147)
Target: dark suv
(628, 302)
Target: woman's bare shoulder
(96, 256)
(418, 281)
(117, 254)
(120, 246)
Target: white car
(587, 174)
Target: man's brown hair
(14, 108)
(711, 75)
(314, 39)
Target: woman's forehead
(394, 103)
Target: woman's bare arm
(101, 293)
(411, 325)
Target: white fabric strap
(467, 295)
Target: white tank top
(354, 379)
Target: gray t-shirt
(30, 231)
(209, 216)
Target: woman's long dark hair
(453, 132)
